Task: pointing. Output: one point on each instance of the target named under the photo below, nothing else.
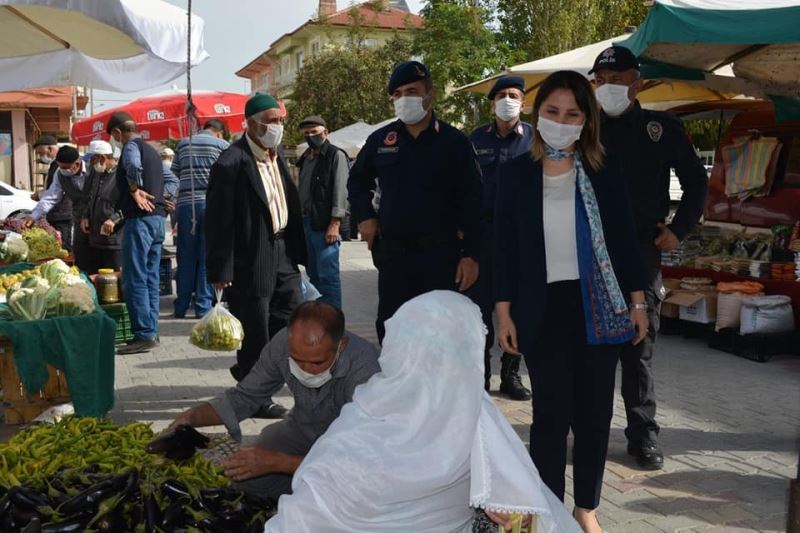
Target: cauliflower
(27, 303)
(67, 280)
(75, 300)
(14, 249)
(54, 270)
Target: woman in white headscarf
(421, 445)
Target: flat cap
(506, 82)
(407, 72)
(45, 140)
(118, 119)
(617, 58)
(260, 102)
(67, 154)
(312, 121)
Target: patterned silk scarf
(604, 307)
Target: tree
(345, 85)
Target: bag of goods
(766, 314)
(729, 309)
(218, 331)
(13, 249)
(744, 287)
(697, 284)
(42, 245)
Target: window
(286, 65)
(265, 82)
(299, 60)
(314, 47)
(372, 43)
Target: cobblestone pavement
(729, 425)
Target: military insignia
(608, 52)
(388, 149)
(420, 72)
(655, 130)
(485, 151)
(390, 139)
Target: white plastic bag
(218, 331)
(729, 309)
(767, 314)
(310, 292)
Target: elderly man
(60, 215)
(425, 233)
(192, 165)
(67, 188)
(647, 144)
(102, 220)
(140, 176)
(322, 366)
(323, 197)
(504, 138)
(256, 239)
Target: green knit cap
(259, 102)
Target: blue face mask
(67, 172)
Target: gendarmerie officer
(502, 139)
(648, 144)
(425, 232)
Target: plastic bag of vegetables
(27, 303)
(218, 331)
(13, 249)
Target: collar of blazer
(255, 176)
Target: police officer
(648, 144)
(425, 232)
(504, 138)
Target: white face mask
(613, 98)
(313, 381)
(409, 109)
(115, 143)
(46, 159)
(100, 168)
(557, 135)
(273, 136)
(507, 109)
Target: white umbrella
(351, 138)
(114, 45)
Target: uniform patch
(485, 151)
(391, 138)
(388, 150)
(655, 130)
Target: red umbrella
(163, 116)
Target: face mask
(115, 143)
(312, 381)
(100, 168)
(558, 135)
(315, 141)
(46, 159)
(507, 109)
(613, 99)
(67, 173)
(409, 109)
(272, 137)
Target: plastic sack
(310, 292)
(766, 314)
(729, 309)
(218, 331)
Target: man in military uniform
(648, 144)
(424, 232)
(504, 138)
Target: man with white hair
(256, 239)
(102, 220)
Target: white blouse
(561, 249)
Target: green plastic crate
(119, 312)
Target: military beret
(118, 119)
(259, 102)
(312, 121)
(617, 58)
(506, 82)
(45, 140)
(407, 72)
(67, 154)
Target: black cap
(45, 140)
(67, 154)
(506, 82)
(214, 124)
(407, 72)
(312, 121)
(617, 58)
(117, 120)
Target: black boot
(510, 382)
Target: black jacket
(648, 144)
(239, 235)
(520, 265)
(104, 194)
(323, 181)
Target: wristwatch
(643, 307)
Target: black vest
(77, 198)
(152, 182)
(322, 183)
(62, 211)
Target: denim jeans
(323, 265)
(141, 257)
(191, 277)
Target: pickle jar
(107, 288)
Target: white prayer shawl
(421, 442)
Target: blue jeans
(323, 265)
(141, 257)
(191, 277)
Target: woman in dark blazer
(568, 283)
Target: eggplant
(152, 514)
(34, 526)
(179, 443)
(174, 489)
(5, 506)
(65, 527)
(89, 498)
(28, 499)
(172, 516)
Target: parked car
(14, 202)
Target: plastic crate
(19, 405)
(165, 277)
(119, 312)
(756, 347)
